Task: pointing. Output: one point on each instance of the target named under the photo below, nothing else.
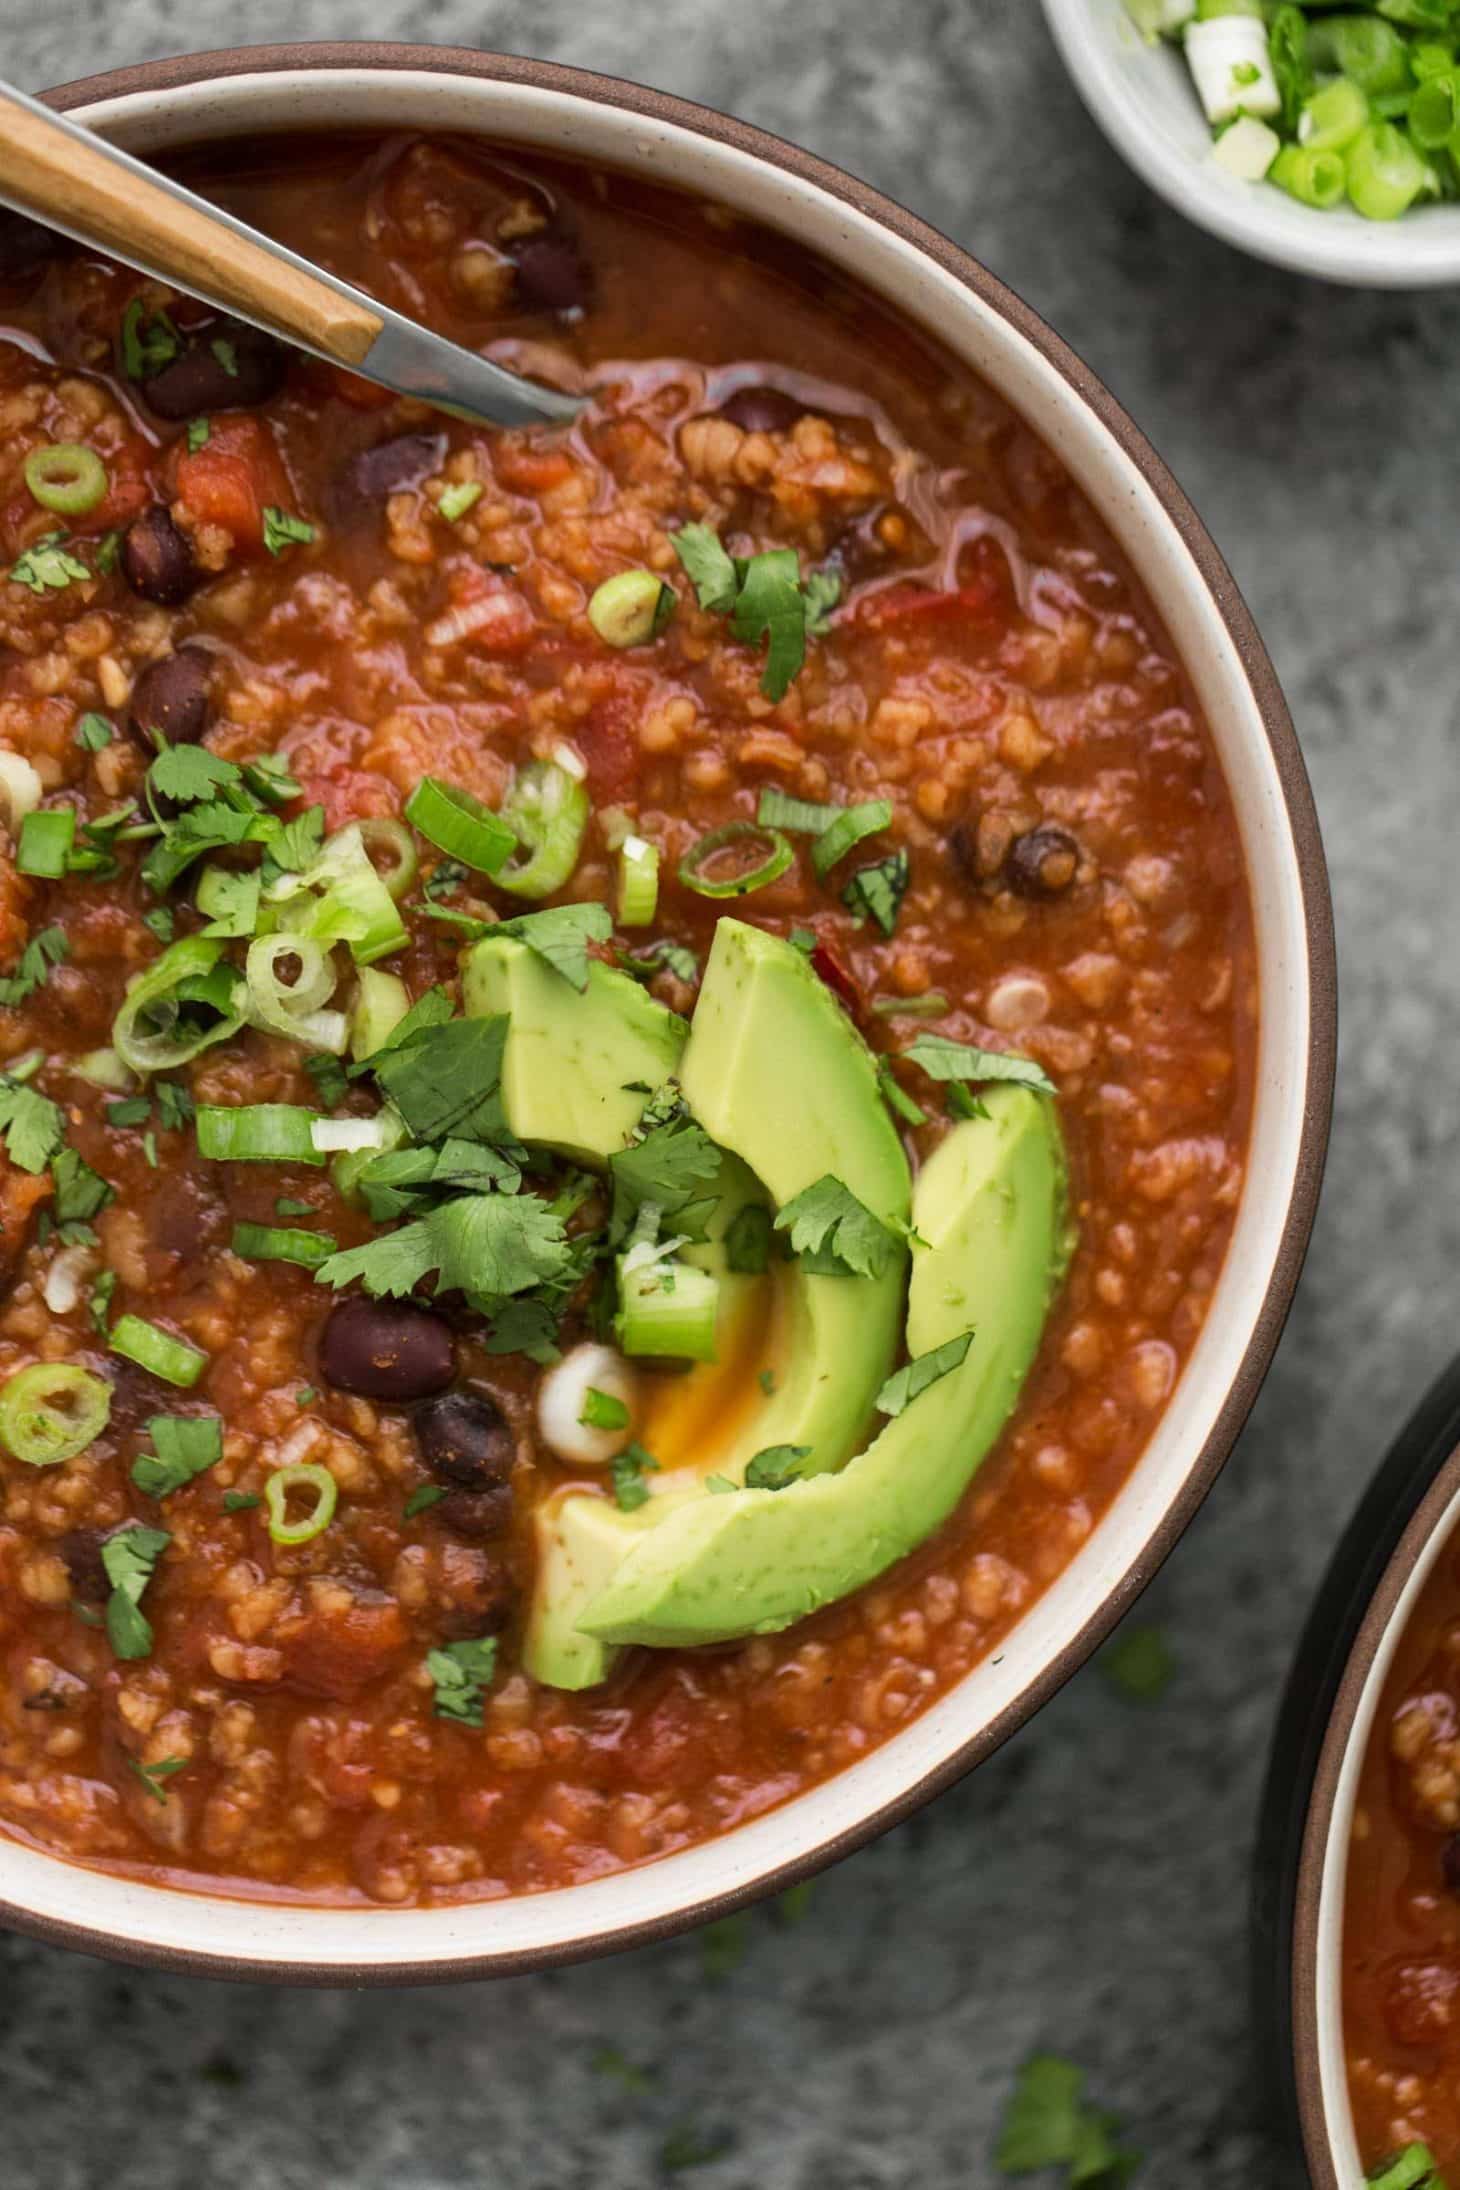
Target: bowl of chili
(1357, 1935)
(878, 705)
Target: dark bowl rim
(1402, 1511)
(185, 71)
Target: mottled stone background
(1087, 1890)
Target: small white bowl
(1142, 97)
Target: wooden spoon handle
(73, 181)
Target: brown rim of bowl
(637, 99)
(1437, 1502)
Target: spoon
(57, 172)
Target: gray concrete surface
(1087, 1890)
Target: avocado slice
(779, 1077)
(579, 1063)
(991, 1205)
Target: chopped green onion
(381, 1002)
(1333, 116)
(458, 824)
(851, 825)
(51, 1412)
(342, 897)
(1366, 49)
(103, 1068)
(932, 1004)
(46, 838)
(1412, 2169)
(1433, 114)
(1383, 172)
(150, 1033)
(638, 882)
(302, 1478)
(802, 816)
(631, 608)
(257, 1133)
(381, 833)
(283, 1243)
(66, 477)
(294, 1007)
(667, 1309)
(733, 841)
(455, 500)
(165, 1355)
(547, 811)
(345, 1136)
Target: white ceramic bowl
(390, 87)
(1142, 97)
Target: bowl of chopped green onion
(1323, 138)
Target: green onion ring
(52, 1412)
(638, 882)
(458, 824)
(302, 1475)
(779, 856)
(162, 1352)
(293, 1008)
(547, 808)
(66, 477)
(382, 834)
(256, 1133)
(145, 1032)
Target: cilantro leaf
(188, 773)
(670, 957)
(93, 733)
(43, 951)
(432, 1009)
(943, 1059)
(283, 529)
(149, 341)
(711, 571)
(748, 1239)
(31, 1126)
(560, 936)
(153, 1775)
(480, 1244)
(81, 1193)
(769, 606)
(296, 844)
(1138, 1662)
(527, 1326)
(184, 1446)
(421, 1500)
(45, 567)
(460, 1672)
(446, 1080)
(130, 1557)
(630, 1491)
(915, 1376)
(834, 1233)
(174, 1105)
(330, 1078)
(775, 1466)
(1048, 2124)
(665, 1168)
(876, 892)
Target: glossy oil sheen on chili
(1075, 893)
(1401, 1939)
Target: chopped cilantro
(608, 2061)
(329, 1077)
(527, 1326)
(174, 1105)
(774, 1466)
(81, 1193)
(723, 1944)
(876, 892)
(99, 1301)
(561, 935)
(748, 1239)
(184, 1446)
(46, 567)
(709, 568)
(43, 951)
(149, 341)
(834, 1233)
(767, 1381)
(896, 1097)
(665, 1169)
(484, 1245)
(601, 1411)
(942, 1059)
(915, 1376)
(630, 1491)
(31, 1126)
(93, 733)
(460, 1672)
(226, 353)
(719, 1484)
(445, 1079)
(1138, 1662)
(297, 843)
(1049, 2124)
(447, 875)
(763, 595)
(154, 1776)
(162, 921)
(662, 957)
(433, 1009)
(792, 1906)
(130, 1557)
(108, 551)
(687, 2146)
(423, 1496)
(199, 434)
(305, 1396)
(282, 529)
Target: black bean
(172, 696)
(1043, 862)
(386, 469)
(465, 1439)
(25, 246)
(157, 558)
(552, 273)
(81, 1552)
(226, 366)
(475, 1514)
(386, 1349)
(762, 410)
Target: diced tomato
(365, 395)
(233, 478)
(348, 794)
(127, 493)
(529, 469)
(982, 594)
(608, 744)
